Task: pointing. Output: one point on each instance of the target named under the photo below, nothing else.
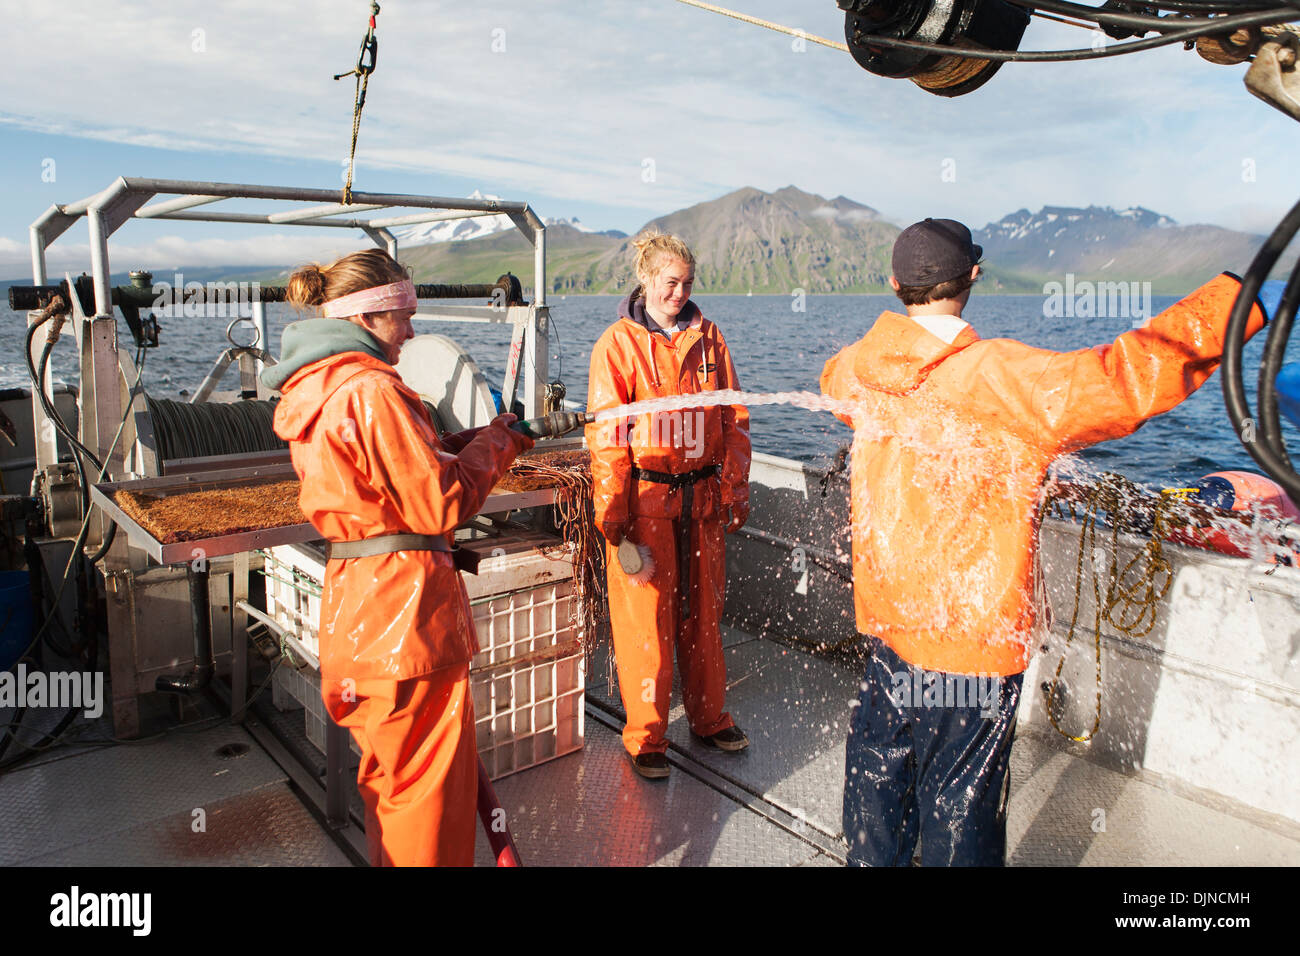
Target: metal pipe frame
(126, 198)
(174, 205)
(318, 212)
(416, 218)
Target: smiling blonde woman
(667, 485)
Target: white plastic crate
(292, 688)
(528, 678)
(294, 575)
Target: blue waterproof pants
(927, 757)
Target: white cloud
(169, 252)
(585, 92)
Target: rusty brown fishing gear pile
(569, 473)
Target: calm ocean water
(775, 349)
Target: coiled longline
(185, 430)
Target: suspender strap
(685, 483)
(387, 544)
(684, 562)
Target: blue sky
(575, 98)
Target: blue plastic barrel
(15, 616)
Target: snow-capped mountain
(1103, 242)
(454, 230)
(1064, 223)
(459, 230)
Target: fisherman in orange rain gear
(666, 485)
(396, 631)
(956, 437)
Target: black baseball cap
(934, 251)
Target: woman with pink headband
(396, 632)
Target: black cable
(1279, 334)
(1234, 393)
(38, 567)
(1101, 15)
(78, 449)
(85, 653)
(1222, 25)
(62, 429)
(104, 547)
(1211, 6)
(38, 389)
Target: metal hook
(369, 45)
(257, 333)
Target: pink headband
(383, 298)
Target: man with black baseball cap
(933, 251)
(957, 434)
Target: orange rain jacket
(954, 441)
(371, 465)
(630, 363)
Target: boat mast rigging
(362, 71)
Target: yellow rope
(1071, 23)
(362, 71)
(363, 79)
(767, 24)
(833, 44)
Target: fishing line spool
(964, 24)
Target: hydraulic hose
(1279, 334)
(37, 375)
(1271, 459)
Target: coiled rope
(569, 473)
(1132, 594)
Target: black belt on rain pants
(464, 559)
(685, 482)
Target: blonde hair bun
(312, 284)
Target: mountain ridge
(789, 240)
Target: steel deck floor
(592, 809)
(137, 804)
(777, 804)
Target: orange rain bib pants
(647, 627)
(419, 766)
(628, 364)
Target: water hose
(493, 816)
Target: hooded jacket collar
(632, 311)
(311, 340)
(633, 307)
(306, 376)
(899, 353)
